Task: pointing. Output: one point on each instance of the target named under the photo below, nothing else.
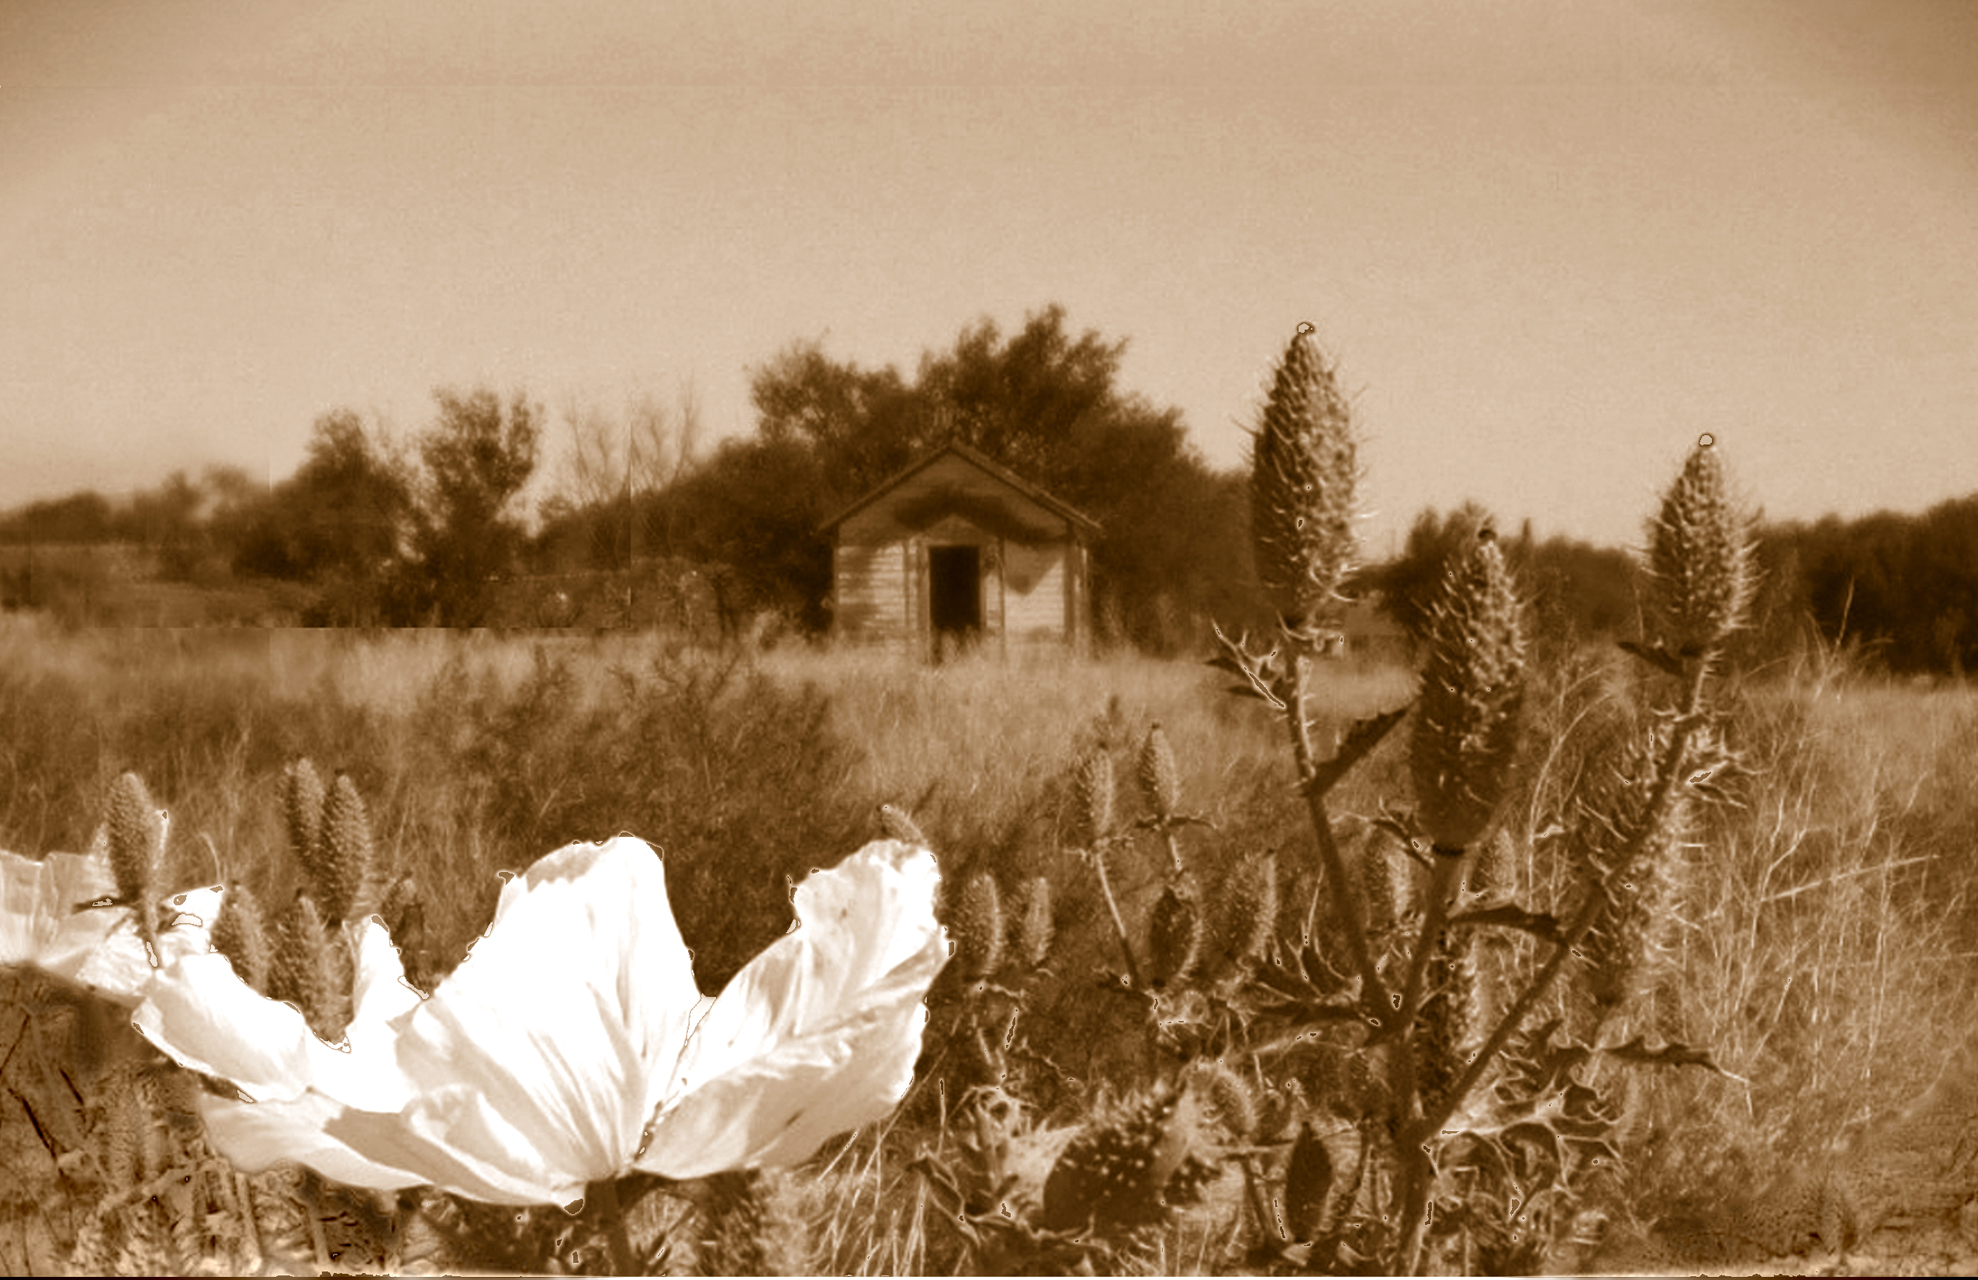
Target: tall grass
(1825, 950)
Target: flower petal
(562, 1022)
(255, 1136)
(121, 969)
(527, 1074)
(43, 923)
(819, 1033)
(39, 924)
(204, 1017)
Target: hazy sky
(1548, 243)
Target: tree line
(423, 530)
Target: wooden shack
(957, 551)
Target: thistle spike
(1473, 685)
(1302, 477)
(348, 855)
(1159, 777)
(1031, 926)
(302, 812)
(1092, 799)
(1700, 558)
(241, 935)
(137, 852)
(979, 926)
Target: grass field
(1826, 954)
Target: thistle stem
(1346, 914)
(1119, 924)
(1669, 776)
(1418, 1170)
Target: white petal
(563, 1019)
(527, 1074)
(819, 1033)
(260, 1135)
(201, 1014)
(39, 924)
(97, 949)
(121, 968)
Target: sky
(1547, 244)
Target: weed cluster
(1345, 972)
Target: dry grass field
(1824, 959)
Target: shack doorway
(954, 596)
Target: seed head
(1308, 1182)
(137, 851)
(1031, 927)
(302, 813)
(1176, 935)
(1160, 779)
(1699, 558)
(1614, 824)
(120, 1127)
(1227, 1098)
(405, 919)
(1092, 799)
(979, 926)
(241, 935)
(1247, 914)
(305, 969)
(897, 825)
(1302, 478)
(348, 857)
(1632, 945)
(1473, 685)
(1443, 1036)
(1130, 1171)
(1375, 872)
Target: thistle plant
(1302, 477)
(136, 829)
(1438, 1059)
(1002, 947)
(1700, 560)
(1130, 1169)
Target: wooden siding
(870, 591)
(1032, 580)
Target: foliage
(1578, 592)
(1041, 401)
(736, 779)
(344, 512)
(1905, 587)
(388, 541)
(749, 515)
(476, 458)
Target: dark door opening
(954, 596)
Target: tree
(346, 511)
(477, 457)
(749, 516)
(81, 518)
(1047, 404)
(614, 472)
(862, 425)
(1409, 583)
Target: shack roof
(982, 463)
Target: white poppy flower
(571, 1045)
(57, 916)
